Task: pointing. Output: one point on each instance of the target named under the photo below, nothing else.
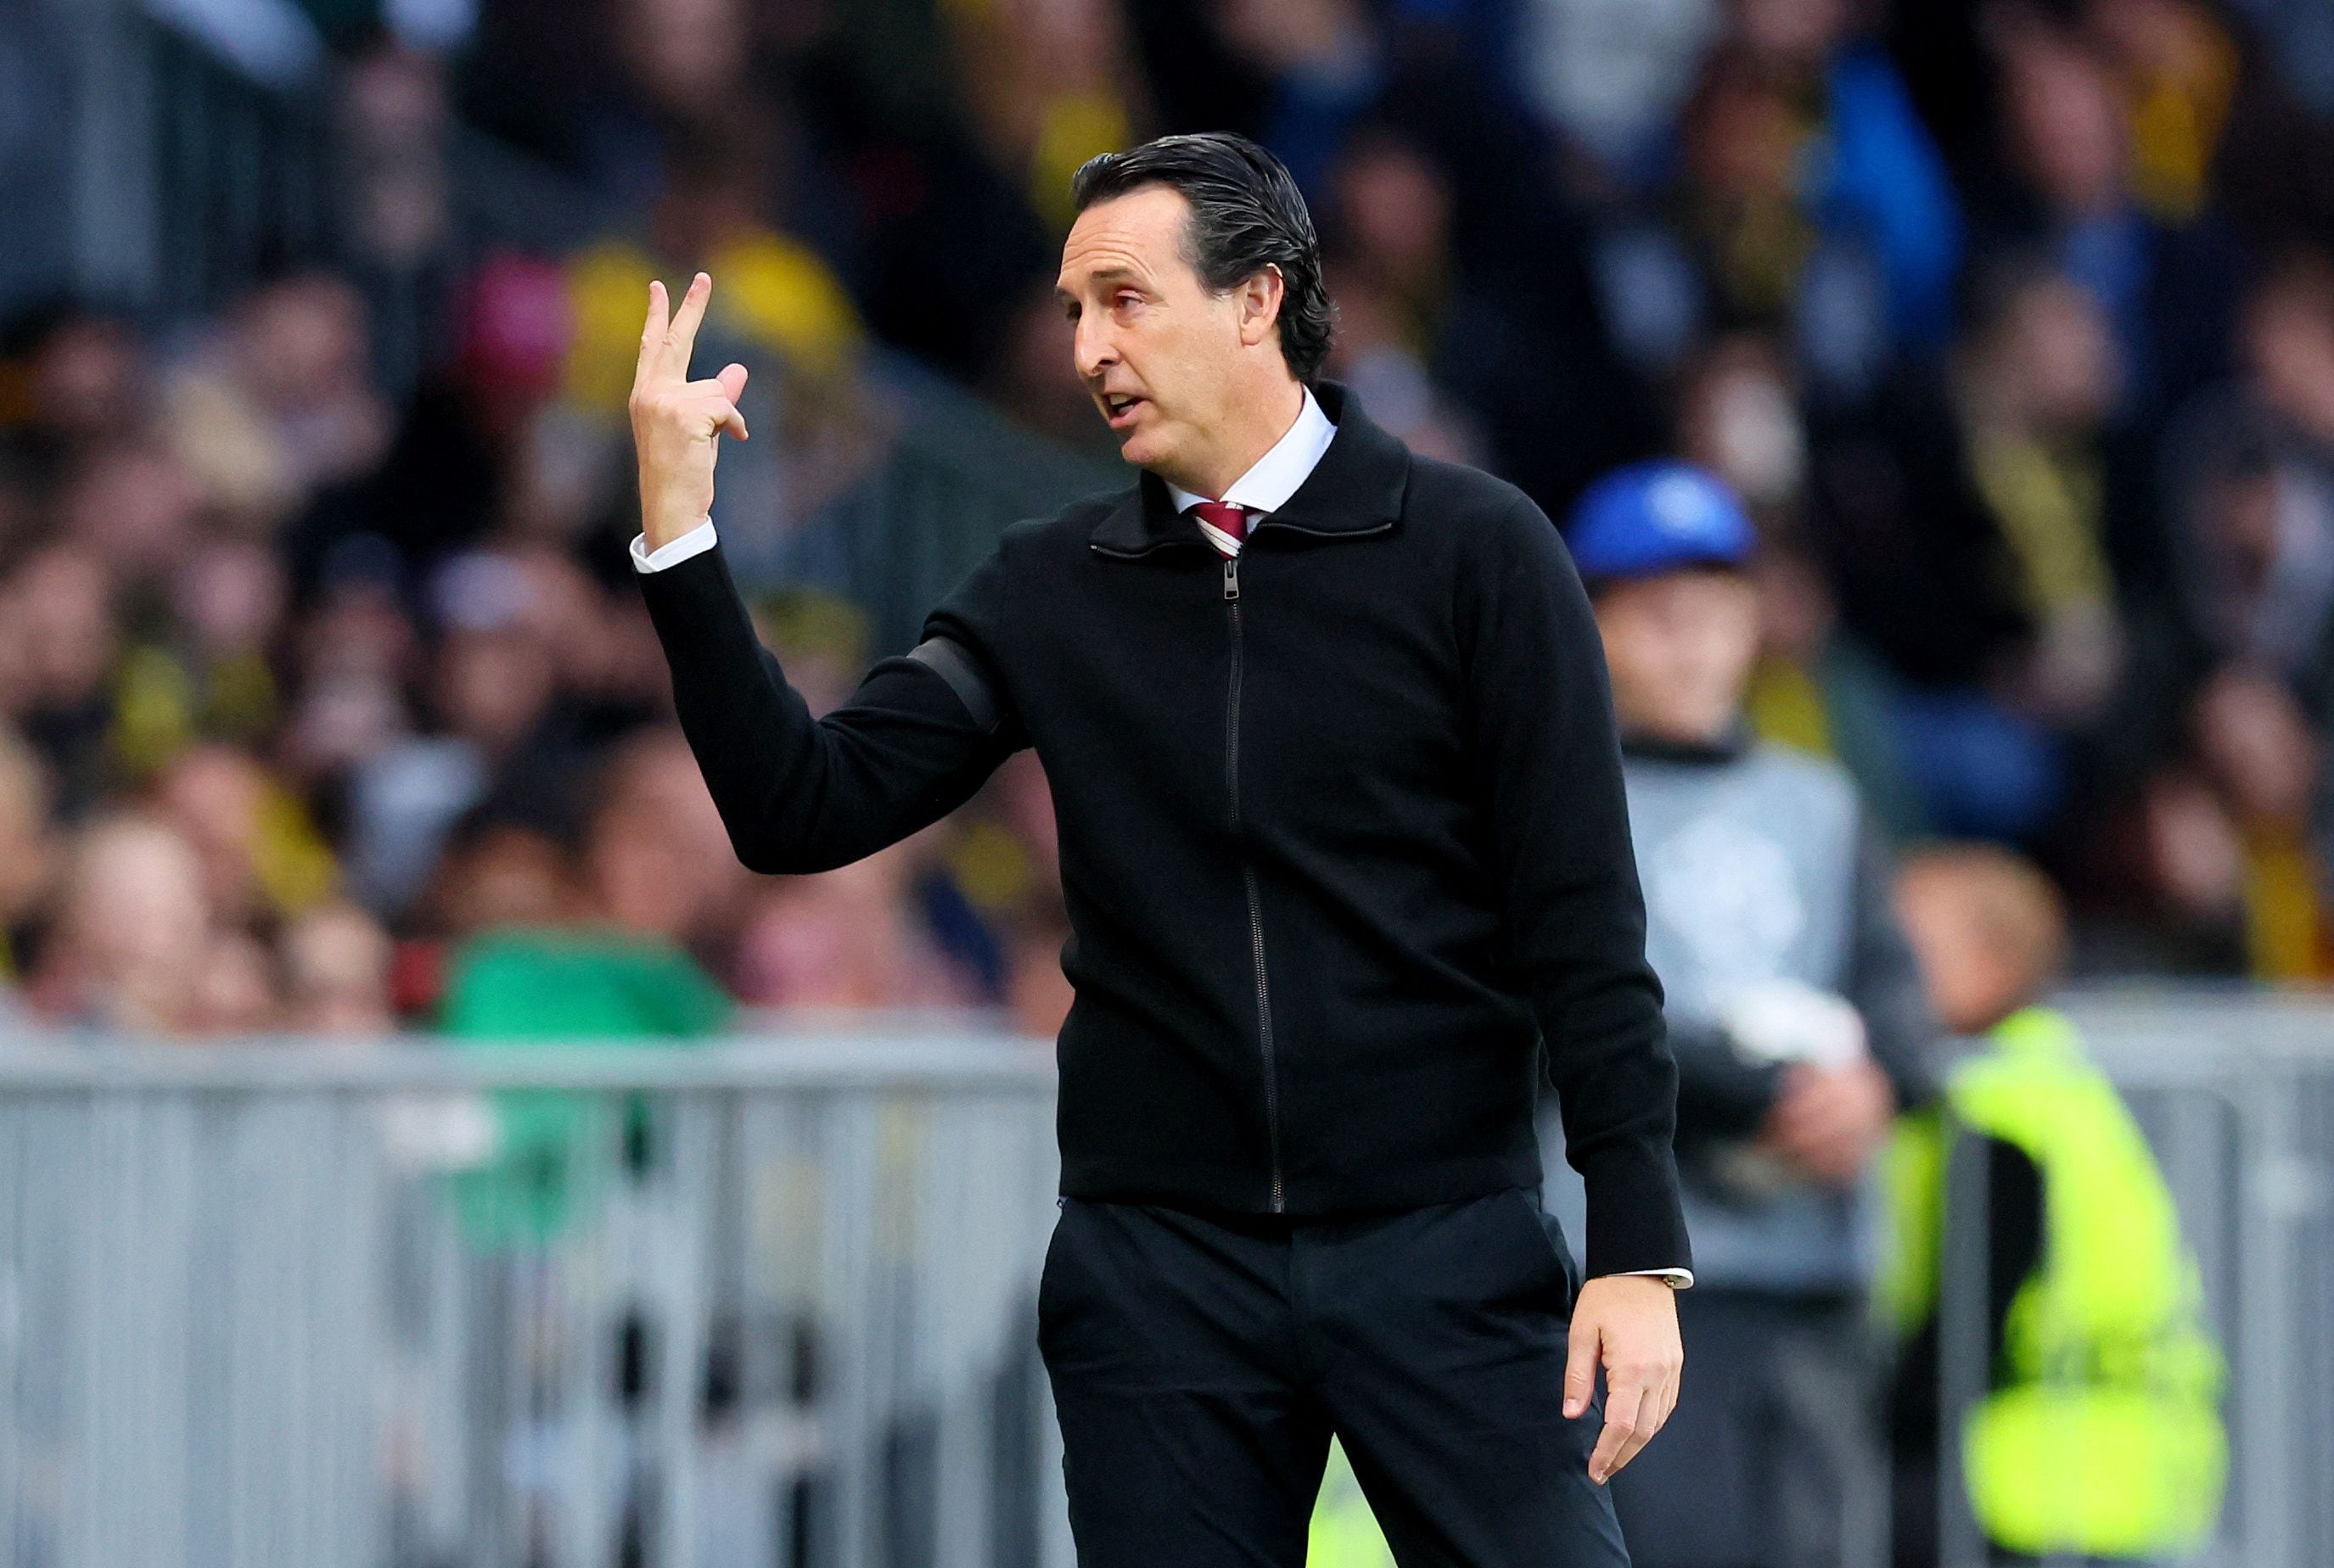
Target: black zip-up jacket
(1341, 829)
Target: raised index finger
(652, 336)
(680, 338)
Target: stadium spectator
(2095, 1433)
(2181, 65)
(651, 771)
(62, 638)
(336, 966)
(234, 991)
(346, 663)
(279, 404)
(499, 871)
(494, 692)
(1738, 417)
(2235, 719)
(1799, 1027)
(398, 129)
(1971, 524)
(1037, 993)
(453, 463)
(2102, 175)
(132, 933)
(1048, 84)
(210, 675)
(135, 506)
(1324, 63)
(1411, 323)
(28, 848)
(262, 859)
(849, 939)
(83, 384)
(1809, 200)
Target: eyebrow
(1106, 276)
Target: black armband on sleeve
(954, 665)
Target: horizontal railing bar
(2146, 1036)
(805, 1064)
(2143, 1038)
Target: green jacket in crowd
(556, 987)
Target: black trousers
(1774, 1457)
(1201, 1364)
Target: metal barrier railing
(769, 1301)
(756, 1303)
(2234, 1092)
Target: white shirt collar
(1277, 474)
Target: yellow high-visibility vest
(2104, 1436)
(1345, 1532)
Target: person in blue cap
(1800, 1027)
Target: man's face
(1679, 647)
(1155, 347)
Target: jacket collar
(1730, 747)
(1357, 488)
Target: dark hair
(1247, 214)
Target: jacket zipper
(1248, 878)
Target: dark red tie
(1228, 519)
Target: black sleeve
(1720, 1093)
(1884, 979)
(1575, 920)
(804, 794)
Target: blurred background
(337, 763)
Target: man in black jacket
(1346, 858)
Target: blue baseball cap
(1655, 517)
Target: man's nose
(1091, 346)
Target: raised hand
(677, 423)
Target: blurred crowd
(2011, 323)
(306, 692)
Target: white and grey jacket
(1759, 864)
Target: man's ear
(1260, 305)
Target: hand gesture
(677, 423)
(1628, 1322)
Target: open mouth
(1119, 409)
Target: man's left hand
(1628, 1324)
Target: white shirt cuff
(672, 551)
(1678, 1278)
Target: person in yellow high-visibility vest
(1344, 1534)
(2099, 1435)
